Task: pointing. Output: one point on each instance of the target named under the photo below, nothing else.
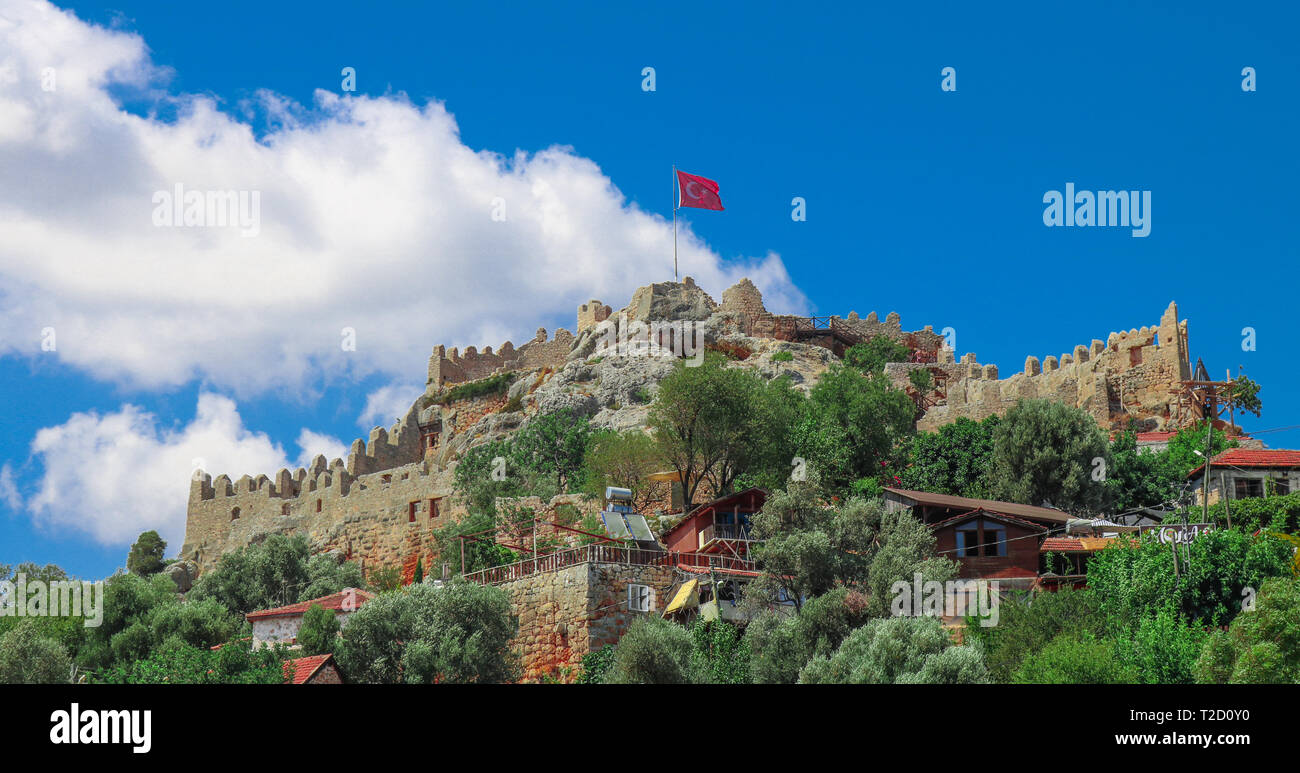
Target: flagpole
(674, 222)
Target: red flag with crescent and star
(698, 192)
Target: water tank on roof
(615, 494)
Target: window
(284, 509)
(433, 509)
(1245, 488)
(1281, 486)
(410, 511)
(640, 598)
(981, 538)
(234, 514)
(318, 505)
(387, 478)
(968, 542)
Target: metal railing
(603, 554)
(723, 531)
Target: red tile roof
(303, 669)
(334, 602)
(1078, 544)
(1253, 457)
(1154, 437)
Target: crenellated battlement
(1129, 376)
(456, 367)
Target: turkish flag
(696, 191)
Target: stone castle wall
(568, 613)
(745, 303)
(360, 507)
(455, 367)
(1128, 376)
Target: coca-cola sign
(1179, 533)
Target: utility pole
(1205, 488)
(1223, 486)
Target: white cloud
(315, 444)
(116, 475)
(387, 404)
(374, 215)
(8, 489)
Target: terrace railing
(604, 554)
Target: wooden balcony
(713, 536)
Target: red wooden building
(991, 546)
(721, 526)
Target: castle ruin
(383, 504)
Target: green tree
(1136, 580)
(652, 651)
(781, 645)
(146, 556)
(479, 553)
(626, 460)
(808, 548)
(719, 653)
(456, 633)
(1163, 649)
(277, 572)
(1262, 646)
(1026, 623)
(595, 665)
(553, 445)
(705, 425)
(1136, 477)
(871, 356)
(856, 420)
(1074, 658)
(1045, 451)
(27, 657)
(319, 632)
(477, 483)
(178, 663)
(1275, 514)
(954, 460)
(1244, 396)
(141, 613)
(898, 650)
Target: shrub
(596, 664)
(26, 657)
(898, 650)
(319, 632)
(1073, 658)
(425, 634)
(146, 556)
(782, 356)
(652, 651)
(491, 385)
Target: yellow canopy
(688, 594)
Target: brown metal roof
(1006, 508)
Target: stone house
(1241, 473)
(280, 625)
(313, 669)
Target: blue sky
(920, 201)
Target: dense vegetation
(1225, 608)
